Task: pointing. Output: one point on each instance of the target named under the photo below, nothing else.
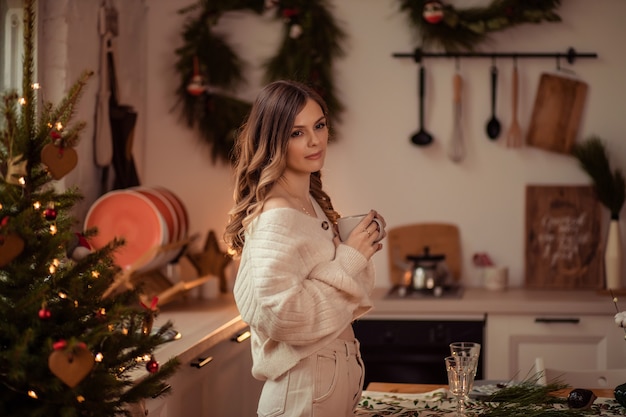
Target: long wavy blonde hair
(260, 153)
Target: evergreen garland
(455, 30)
(210, 71)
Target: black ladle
(493, 126)
(422, 137)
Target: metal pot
(428, 271)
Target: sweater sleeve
(293, 285)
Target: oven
(412, 349)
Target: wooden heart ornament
(59, 160)
(71, 365)
(11, 245)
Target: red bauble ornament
(196, 86)
(433, 12)
(50, 214)
(152, 366)
(44, 313)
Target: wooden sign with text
(563, 238)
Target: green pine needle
(610, 185)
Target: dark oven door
(413, 350)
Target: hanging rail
(570, 55)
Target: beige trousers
(325, 384)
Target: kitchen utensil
(457, 148)
(422, 137)
(556, 113)
(493, 125)
(412, 238)
(514, 135)
(429, 271)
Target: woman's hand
(367, 235)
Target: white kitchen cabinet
(217, 383)
(572, 342)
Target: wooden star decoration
(212, 261)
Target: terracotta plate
(129, 215)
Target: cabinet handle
(572, 320)
(163, 391)
(201, 362)
(241, 337)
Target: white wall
(373, 165)
(69, 45)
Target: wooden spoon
(514, 135)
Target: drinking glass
(469, 349)
(460, 371)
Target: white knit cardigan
(296, 291)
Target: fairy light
(22, 101)
(124, 331)
(76, 303)
(95, 274)
(99, 357)
(37, 205)
(62, 295)
(22, 181)
(80, 399)
(59, 126)
(54, 265)
(53, 229)
(32, 394)
(36, 86)
(144, 358)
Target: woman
(298, 286)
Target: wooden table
(421, 388)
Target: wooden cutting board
(563, 237)
(556, 113)
(441, 238)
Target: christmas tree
(69, 346)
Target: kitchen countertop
(205, 323)
(479, 301)
(202, 324)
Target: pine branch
(609, 185)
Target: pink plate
(129, 215)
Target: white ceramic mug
(345, 225)
(496, 277)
